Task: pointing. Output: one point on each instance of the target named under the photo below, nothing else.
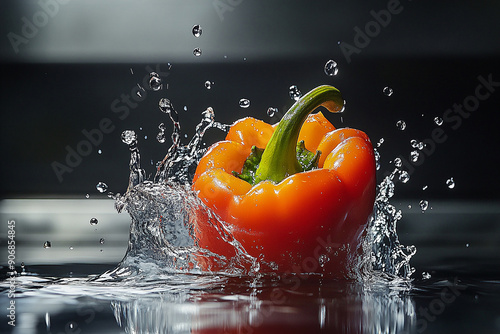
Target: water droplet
(185, 108)
(93, 221)
(87, 196)
(450, 183)
(197, 52)
(467, 245)
(161, 137)
(331, 68)
(401, 125)
(47, 244)
(323, 259)
(208, 84)
(380, 142)
(165, 105)
(420, 146)
(388, 91)
(423, 205)
(197, 30)
(271, 111)
(155, 81)
(426, 275)
(71, 248)
(101, 241)
(129, 136)
(99, 151)
(377, 160)
(398, 162)
(414, 155)
(438, 121)
(404, 176)
(414, 143)
(102, 187)
(425, 187)
(294, 92)
(244, 103)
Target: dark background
(67, 76)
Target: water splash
(384, 255)
(167, 218)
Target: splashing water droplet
(93, 221)
(401, 125)
(450, 183)
(388, 91)
(398, 162)
(197, 30)
(404, 176)
(438, 121)
(377, 159)
(420, 146)
(414, 155)
(244, 103)
(271, 111)
(165, 105)
(197, 52)
(380, 142)
(423, 205)
(155, 81)
(47, 244)
(129, 136)
(101, 241)
(161, 137)
(426, 275)
(294, 93)
(331, 68)
(425, 187)
(208, 84)
(102, 187)
(87, 196)
(323, 259)
(414, 143)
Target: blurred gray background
(68, 65)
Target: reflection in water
(269, 307)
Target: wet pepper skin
(298, 221)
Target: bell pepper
(296, 195)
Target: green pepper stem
(279, 159)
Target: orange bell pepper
(294, 210)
